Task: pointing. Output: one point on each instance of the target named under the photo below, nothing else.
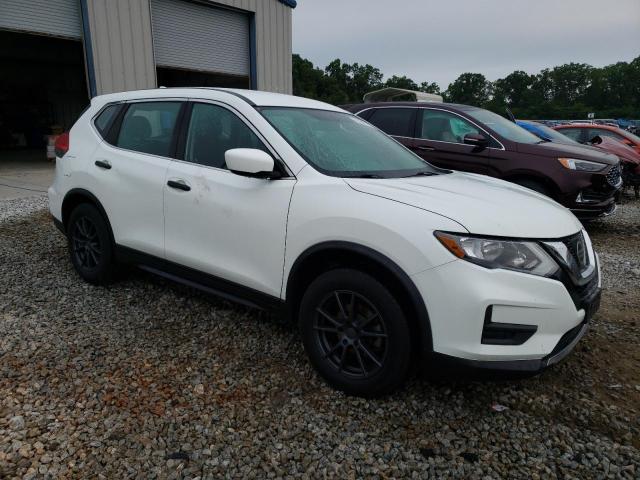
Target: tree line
(569, 91)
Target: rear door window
(394, 121)
(148, 127)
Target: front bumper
(459, 294)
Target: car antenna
(510, 115)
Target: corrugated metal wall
(53, 17)
(223, 37)
(122, 44)
(273, 40)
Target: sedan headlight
(527, 257)
(581, 165)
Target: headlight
(527, 257)
(581, 165)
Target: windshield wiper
(422, 174)
(367, 175)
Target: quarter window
(149, 127)
(394, 121)
(212, 131)
(445, 127)
(103, 121)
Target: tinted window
(502, 126)
(148, 127)
(572, 133)
(445, 127)
(103, 121)
(343, 145)
(212, 131)
(601, 132)
(393, 121)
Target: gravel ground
(150, 380)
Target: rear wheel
(355, 333)
(90, 245)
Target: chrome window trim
(442, 110)
(146, 100)
(289, 175)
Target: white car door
(224, 224)
(128, 175)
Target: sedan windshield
(502, 126)
(343, 145)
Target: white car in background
(289, 204)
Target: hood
(551, 149)
(482, 205)
(626, 153)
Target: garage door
(199, 37)
(53, 17)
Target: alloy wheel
(86, 243)
(351, 333)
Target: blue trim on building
(88, 49)
(253, 54)
(289, 3)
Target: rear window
(394, 121)
(148, 127)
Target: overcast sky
(437, 40)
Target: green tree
(470, 89)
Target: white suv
(383, 260)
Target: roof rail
(389, 94)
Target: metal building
(58, 53)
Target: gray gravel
(146, 379)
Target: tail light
(62, 144)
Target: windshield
(502, 126)
(343, 145)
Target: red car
(585, 132)
(614, 140)
(629, 159)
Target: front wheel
(355, 333)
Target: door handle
(103, 164)
(179, 185)
(425, 149)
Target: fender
(417, 302)
(81, 192)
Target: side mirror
(250, 162)
(476, 139)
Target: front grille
(614, 175)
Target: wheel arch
(77, 196)
(536, 177)
(326, 256)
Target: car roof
(590, 125)
(253, 97)
(453, 106)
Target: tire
(534, 185)
(90, 246)
(355, 333)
